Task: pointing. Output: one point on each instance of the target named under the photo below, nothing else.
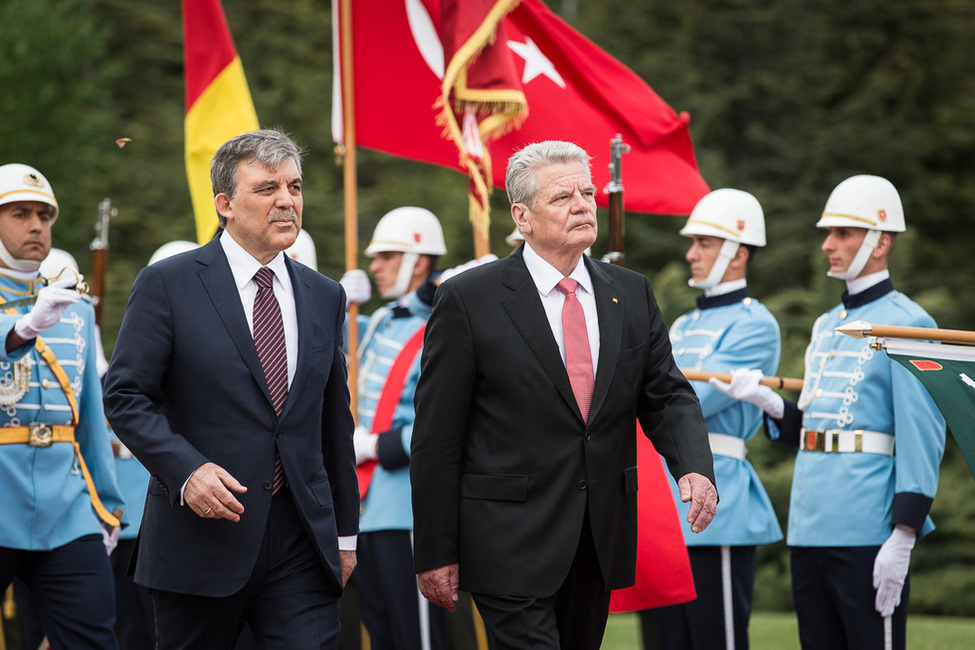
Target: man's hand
(356, 285)
(110, 536)
(890, 568)
(348, 564)
(365, 445)
(745, 386)
(697, 489)
(52, 300)
(440, 585)
(209, 492)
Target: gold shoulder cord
(62, 378)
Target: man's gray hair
(520, 178)
(268, 147)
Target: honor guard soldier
(728, 330)
(61, 502)
(870, 439)
(405, 248)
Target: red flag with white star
(574, 90)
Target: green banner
(948, 374)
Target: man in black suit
(229, 384)
(524, 451)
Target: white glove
(356, 285)
(52, 300)
(365, 445)
(745, 386)
(890, 569)
(110, 537)
(467, 266)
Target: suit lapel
(609, 309)
(525, 310)
(219, 283)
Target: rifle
(99, 257)
(614, 189)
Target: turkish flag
(574, 91)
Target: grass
(777, 631)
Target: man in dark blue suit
(252, 510)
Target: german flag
(218, 102)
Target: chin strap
(15, 264)
(860, 259)
(725, 255)
(403, 276)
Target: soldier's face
(385, 268)
(841, 245)
(25, 229)
(701, 255)
(264, 216)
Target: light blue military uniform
(45, 501)
(854, 498)
(387, 505)
(724, 333)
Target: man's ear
(422, 266)
(519, 214)
(883, 247)
(222, 203)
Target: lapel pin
(616, 301)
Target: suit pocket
(632, 354)
(322, 492)
(629, 480)
(495, 487)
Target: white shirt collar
(547, 276)
(726, 287)
(244, 266)
(864, 282)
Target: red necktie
(578, 354)
(269, 341)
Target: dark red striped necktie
(269, 341)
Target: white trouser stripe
(424, 610)
(729, 613)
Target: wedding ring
(207, 511)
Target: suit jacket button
(582, 485)
(268, 485)
(278, 434)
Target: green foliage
(787, 99)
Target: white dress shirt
(244, 267)
(546, 277)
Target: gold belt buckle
(41, 435)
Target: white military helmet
(729, 214)
(20, 182)
(172, 248)
(863, 201)
(303, 250)
(56, 261)
(409, 230)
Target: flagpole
(351, 196)
(780, 383)
(862, 329)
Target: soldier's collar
(868, 295)
(722, 300)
